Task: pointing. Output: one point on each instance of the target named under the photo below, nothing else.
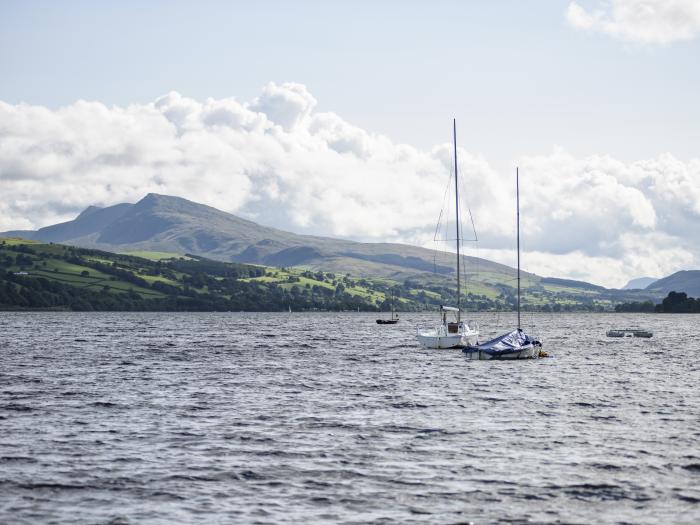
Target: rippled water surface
(329, 418)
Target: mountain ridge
(170, 224)
(687, 281)
(174, 224)
(640, 283)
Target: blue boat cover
(507, 343)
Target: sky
(334, 118)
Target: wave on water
(128, 418)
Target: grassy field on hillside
(156, 256)
(154, 280)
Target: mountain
(172, 224)
(640, 283)
(687, 281)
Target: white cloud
(278, 161)
(288, 105)
(653, 255)
(605, 221)
(648, 21)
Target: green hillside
(40, 275)
(54, 276)
(34, 274)
(687, 281)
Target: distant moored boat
(394, 319)
(629, 332)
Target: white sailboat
(515, 344)
(452, 332)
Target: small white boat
(454, 333)
(450, 333)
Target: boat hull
(529, 352)
(428, 340)
(629, 332)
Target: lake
(126, 418)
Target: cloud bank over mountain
(647, 21)
(279, 161)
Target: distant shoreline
(283, 312)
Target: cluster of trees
(20, 260)
(23, 258)
(39, 292)
(679, 303)
(635, 306)
(673, 303)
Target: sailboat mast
(517, 200)
(454, 136)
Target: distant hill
(571, 283)
(175, 225)
(640, 283)
(687, 281)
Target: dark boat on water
(394, 318)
